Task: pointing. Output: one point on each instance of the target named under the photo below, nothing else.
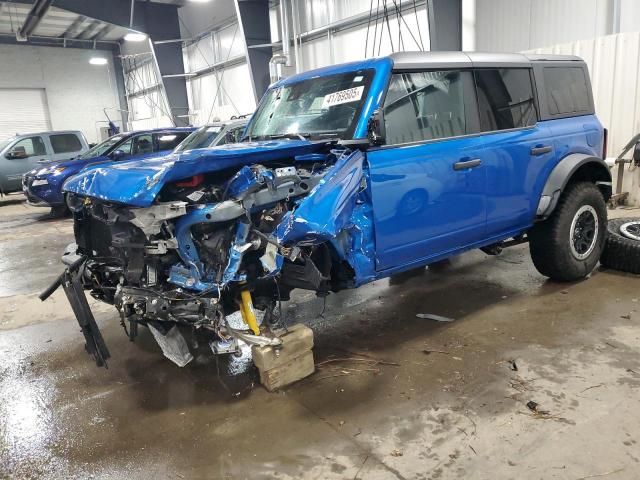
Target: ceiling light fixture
(98, 61)
(135, 37)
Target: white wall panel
(515, 25)
(629, 15)
(65, 74)
(220, 95)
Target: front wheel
(568, 245)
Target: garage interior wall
(63, 74)
(221, 85)
(516, 25)
(614, 67)
(147, 102)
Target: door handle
(467, 164)
(536, 151)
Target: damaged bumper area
(215, 252)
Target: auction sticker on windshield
(343, 96)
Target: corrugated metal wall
(515, 25)
(614, 65)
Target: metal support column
(253, 19)
(445, 24)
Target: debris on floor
(437, 318)
(358, 363)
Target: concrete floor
(457, 412)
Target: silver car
(22, 153)
(214, 134)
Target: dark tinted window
(169, 141)
(65, 142)
(137, 145)
(505, 98)
(566, 89)
(424, 106)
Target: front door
(428, 182)
(20, 158)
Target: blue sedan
(43, 186)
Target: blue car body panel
(138, 183)
(52, 192)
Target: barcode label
(343, 96)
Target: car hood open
(138, 182)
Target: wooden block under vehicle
(298, 340)
(293, 370)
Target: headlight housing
(53, 170)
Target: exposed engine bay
(218, 251)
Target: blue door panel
(577, 135)
(514, 176)
(422, 206)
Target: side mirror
(376, 128)
(636, 154)
(16, 153)
(117, 155)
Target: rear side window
(169, 141)
(65, 143)
(567, 91)
(505, 98)
(423, 106)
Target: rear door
(65, 145)
(518, 148)
(428, 182)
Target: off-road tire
(550, 241)
(621, 253)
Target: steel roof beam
(34, 17)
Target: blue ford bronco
(345, 175)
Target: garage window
(65, 143)
(425, 106)
(567, 90)
(505, 98)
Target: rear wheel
(568, 245)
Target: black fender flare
(587, 166)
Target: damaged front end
(218, 250)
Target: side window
(425, 106)
(126, 146)
(169, 141)
(505, 98)
(27, 147)
(65, 143)
(142, 144)
(566, 90)
(232, 136)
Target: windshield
(201, 138)
(319, 107)
(102, 148)
(4, 143)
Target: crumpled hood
(138, 182)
